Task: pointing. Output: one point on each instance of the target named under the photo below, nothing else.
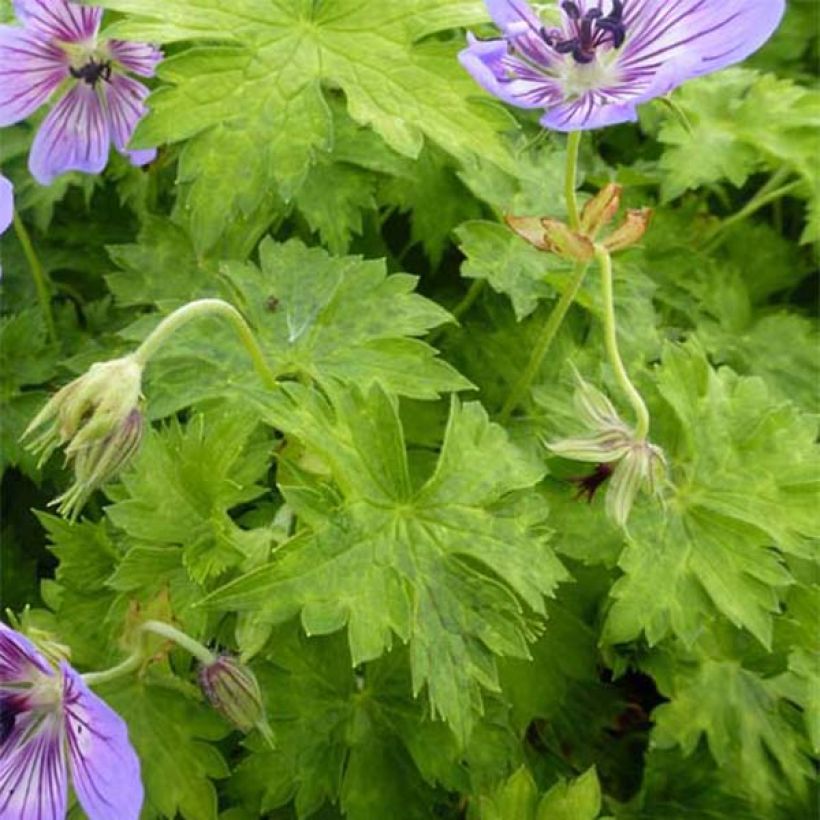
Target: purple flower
(589, 63)
(50, 721)
(58, 47)
(6, 203)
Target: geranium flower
(58, 48)
(590, 63)
(49, 722)
(6, 203)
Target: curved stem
(611, 341)
(171, 633)
(545, 340)
(764, 196)
(41, 280)
(207, 307)
(130, 664)
(570, 179)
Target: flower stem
(611, 341)
(207, 307)
(766, 195)
(570, 179)
(130, 664)
(41, 281)
(164, 630)
(545, 341)
(559, 312)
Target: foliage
(440, 625)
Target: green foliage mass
(442, 624)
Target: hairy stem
(41, 280)
(611, 342)
(559, 312)
(164, 630)
(570, 179)
(129, 665)
(207, 307)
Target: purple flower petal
(33, 777)
(105, 770)
(30, 70)
(19, 659)
(59, 19)
(680, 39)
(125, 101)
(506, 77)
(74, 137)
(6, 217)
(607, 57)
(139, 58)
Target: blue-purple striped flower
(58, 50)
(50, 723)
(6, 203)
(590, 63)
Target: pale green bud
(97, 419)
(232, 689)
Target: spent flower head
(590, 63)
(51, 722)
(97, 419)
(57, 49)
(232, 689)
(610, 441)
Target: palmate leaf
(322, 317)
(747, 722)
(171, 735)
(263, 68)
(450, 566)
(746, 470)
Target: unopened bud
(630, 231)
(232, 689)
(601, 209)
(97, 419)
(530, 229)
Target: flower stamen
(92, 72)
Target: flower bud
(97, 419)
(630, 231)
(601, 209)
(232, 689)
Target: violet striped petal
(138, 58)
(105, 770)
(125, 102)
(59, 19)
(506, 77)
(6, 216)
(33, 777)
(31, 68)
(19, 659)
(74, 137)
(681, 39)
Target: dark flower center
(588, 484)
(590, 31)
(92, 72)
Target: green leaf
(443, 566)
(185, 481)
(745, 722)
(324, 317)
(342, 736)
(579, 799)
(171, 735)
(745, 468)
(262, 72)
